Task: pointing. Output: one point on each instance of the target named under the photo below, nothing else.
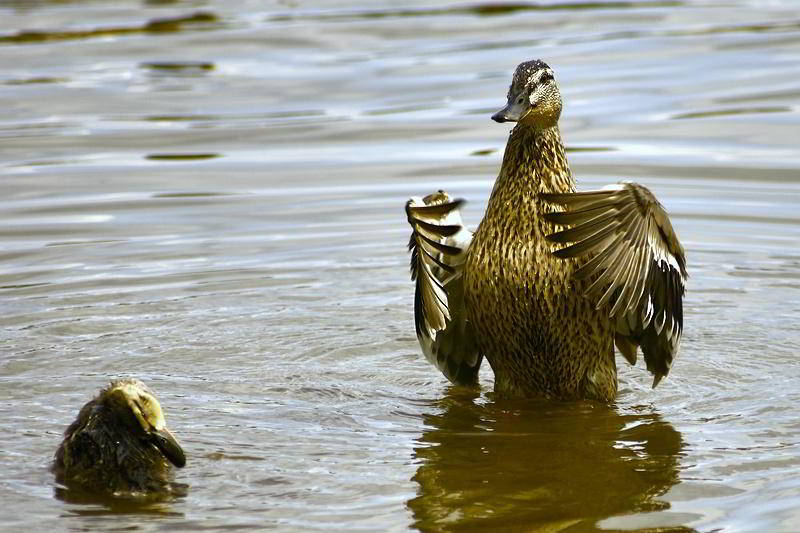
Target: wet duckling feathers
(119, 443)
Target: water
(209, 196)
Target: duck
(552, 279)
(119, 444)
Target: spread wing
(438, 247)
(637, 264)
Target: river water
(208, 195)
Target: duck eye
(519, 100)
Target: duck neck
(534, 162)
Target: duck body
(546, 318)
(114, 450)
(540, 336)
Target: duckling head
(131, 396)
(533, 98)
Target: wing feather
(590, 227)
(438, 246)
(637, 264)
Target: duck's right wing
(438, 246)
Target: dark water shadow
(181, 157)
(755, 110)
(539, 466)
(482, 9)
(155, 26)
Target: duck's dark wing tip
(657, 379)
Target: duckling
(546, 318)
(119, 444)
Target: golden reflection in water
(539, 466)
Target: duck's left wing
(637, 264)
(438, 246)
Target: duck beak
(168, 444)
(512, 112)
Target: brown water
(208, 195)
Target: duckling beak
(510, 113)
(168, 444)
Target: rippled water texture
(208, 195)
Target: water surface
(209, 196)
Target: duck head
(133, 397)
(533, 98)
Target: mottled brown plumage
(119, 444)
(546, 318)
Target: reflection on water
(92, 504)
(540, 465)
